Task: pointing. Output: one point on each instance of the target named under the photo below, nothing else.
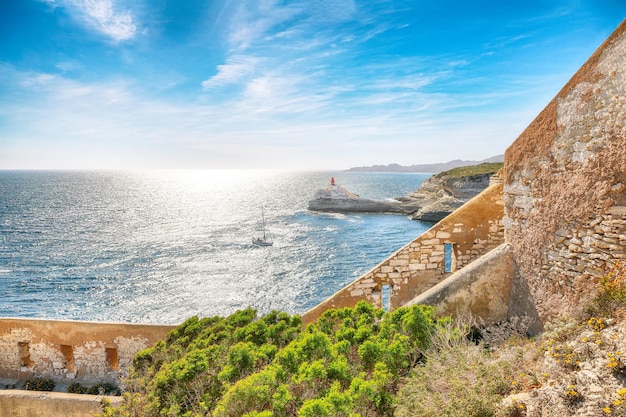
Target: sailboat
(266, 240)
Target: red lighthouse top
(332, 181)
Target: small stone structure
(561, 213)
(72, 351)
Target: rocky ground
(581, 371)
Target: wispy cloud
(328, 83)
(253, 21)
(236, 68)
(101, 16)
(112, 124)
(303, 45)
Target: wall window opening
(112, 359)
(23, 349)
(385, 295)
(68, 355)
(449, 254)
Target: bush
(76, 388)
(104, 389)
(98, 389)
(39, 384)
(458, 379)
(610, 300)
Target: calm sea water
(161, 246)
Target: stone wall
(565, 186)
(465, 235)
(482, 290)
(72, 351)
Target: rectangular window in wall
(23, 349)
(449, 257)
(386, 293)
(68, 354)
(112, 360)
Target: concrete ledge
(17, 403)
(481, 289)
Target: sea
(162, 246)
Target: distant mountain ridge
(425, 168)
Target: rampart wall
(564, 201)
(70, 350)
(454, 242)
(565, 186)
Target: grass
(480, 169)
(458, 379)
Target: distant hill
(426, 168)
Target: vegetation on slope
(349, 363)
(466, 171)
(367, 362)
(577, 367)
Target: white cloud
(233, 71)
(100, 16)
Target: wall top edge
(83, 322)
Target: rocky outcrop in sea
(336, 198)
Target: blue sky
(311, 84)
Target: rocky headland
(443, 193)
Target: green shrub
(76, 388)
(104, 389)
(98, 389)
(39, 384)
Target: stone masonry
(565, 186)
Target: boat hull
(261, 242)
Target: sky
(291, 84)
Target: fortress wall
(465, 235)
(70, 350)
(565, 185)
